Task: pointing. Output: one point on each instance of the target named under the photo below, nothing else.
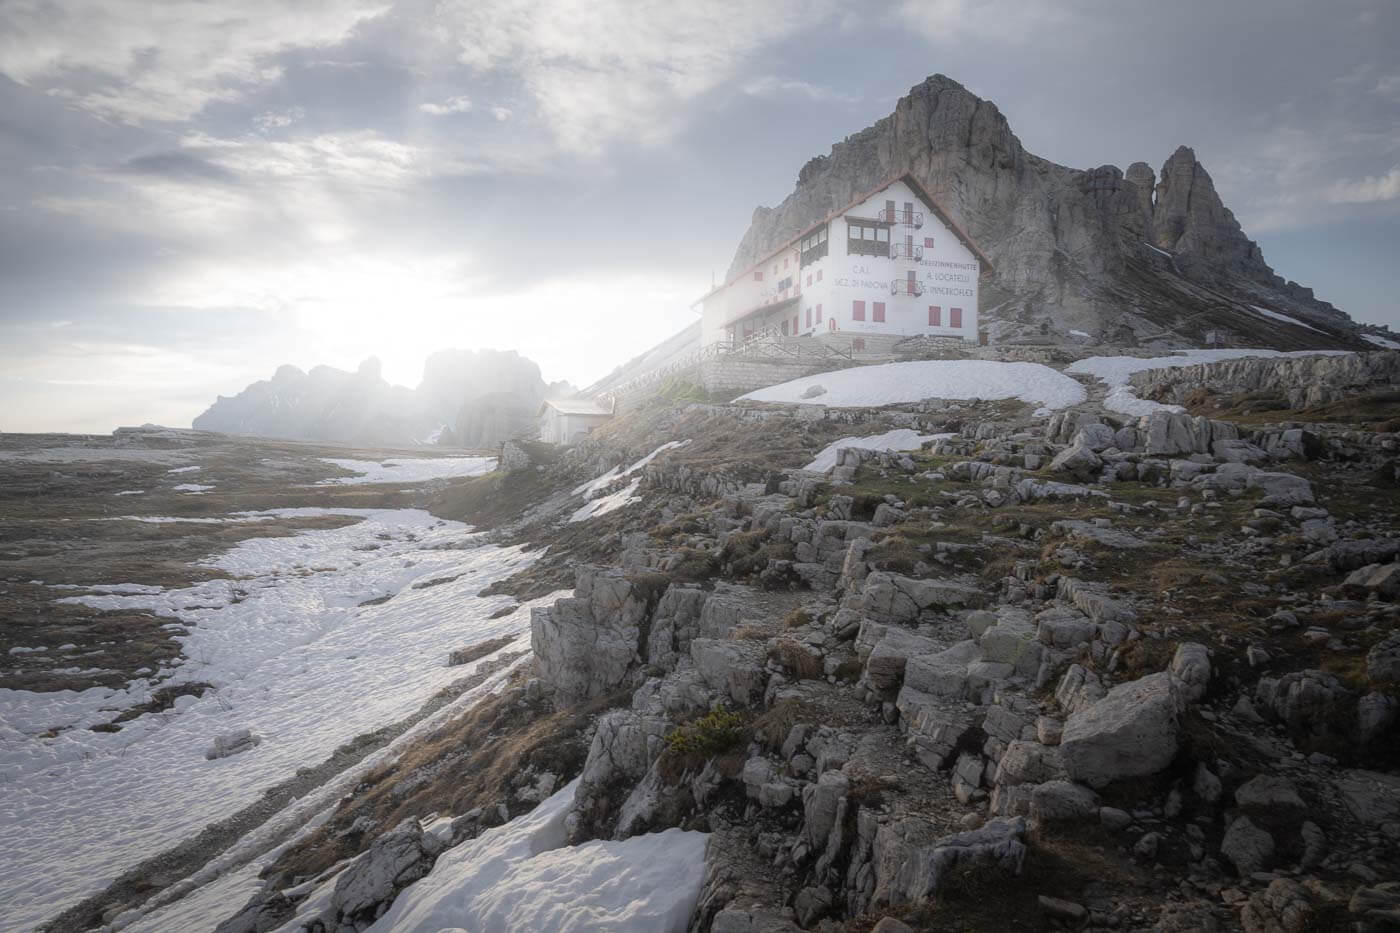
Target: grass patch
(792, 657)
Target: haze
(194, 193)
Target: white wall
(948, 273)
(559, 428)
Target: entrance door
(910, 281)
(889, 211)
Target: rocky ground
(1091, 672)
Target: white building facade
(890, 263)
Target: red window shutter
(809, 317)
(809, 280)
(878, 311)
(758, 275)
(857, 310)
(935, 316)
(785, 262)
(819, 275)
(794, 324)
(858, 343)
(928, 242)
(909, 277)
(889, 211)
(955, 317)
(819, 314)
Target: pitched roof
(577, 406)
(920, 192)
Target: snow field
(290, 653)
(609, 503)
(408, 469)
(896, 383)
(899, 439)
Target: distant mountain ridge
(468, 398)
(1128, 258)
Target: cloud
(1367, 190)
(162, 62)
(278, 119)
(1003, 22)
(450, 106)
(599, 71)
(769, 86)
(175, 165)
(502, 114)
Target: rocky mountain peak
(1143, 256)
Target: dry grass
(792, 657)
(471, 761)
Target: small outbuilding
(565, 421)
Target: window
(794, 325)
(935, 316)
(955, 317)
(813, 246)
(819, 275)
(785, 262)
(857, 310)
(928, 242)
(809, 318)
(784, 327)
(867, 238)
(758, 275)
(809, 280)
(785, 284)
(819, 314)
(858, 343)
(889, 211)
(877, 311)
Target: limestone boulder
(1131, 732)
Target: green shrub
(715, 733)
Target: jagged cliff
(1135, 258)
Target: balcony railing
(906, 287)
(909, 218)
(879, 248)
(906, 251)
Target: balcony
(906, 287)
(910, 218)
(906, 251)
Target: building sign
(856, 280)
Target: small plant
(797, 618)
(715, 733)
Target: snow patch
(408, 469)
(899, 439)
(609, 503)
(594, 486)
(185, 469)
(194, 488)
(1277, 316)
(896, 383)
(521, 876)
(1381, 341)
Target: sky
(193, 193)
